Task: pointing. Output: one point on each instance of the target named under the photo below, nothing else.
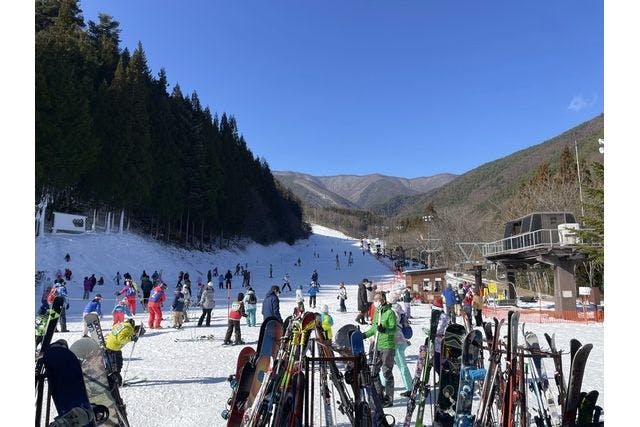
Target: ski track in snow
(187, 381)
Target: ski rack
(310, 362)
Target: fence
(592, 314)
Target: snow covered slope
(186, 381)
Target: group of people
(465, 300)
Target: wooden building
(426, 283)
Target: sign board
(493, 287)
(584, 290)
(68, 223)
(567, 294)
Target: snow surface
(187, 381)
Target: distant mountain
(480, 190)
(354, 191)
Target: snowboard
(245, 355)
(576, 375)
(470, 373)
(449, 375)
(67, 388)
(99, 391)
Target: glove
(381, 329)
(135, 338)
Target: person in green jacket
(384, 324)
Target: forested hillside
(109, 136)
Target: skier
(67, 257)
(221, 282)
(237, 273)
(271, 304)
(186, 290)
(100, 281)
(314, 276)
(154, 276)
(326, 322)
(250, 304)
(299, 262)
(477, 307)
(384, 325)
(313, 291)
(444, 321)
(120, 310)
(363, 304)
(86, 285)
(93, 306)
(156, 299)
(130, 294)
(270, 271)
(208, 275)
(449, 296)
(229, 276)
(300, 299)
(67, 274)
(235, 314)
(337, 262)
(406, 301)
(342, 297)
(350, 261)
(207, 302)
(178, 307)
(146, 286)
(60, 289)
(117, 278)
(93, 281)
(402, 343)
(119, 336)
(285, 282)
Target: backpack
(407, 332)
(252, 298)
(53, 293)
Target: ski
(510, 401)
(587, 408)
(425, 389)
(558, 374)
(578, 364)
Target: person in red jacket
(130, 293)
(235, 314)
(156, 299)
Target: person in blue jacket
(93, 306)
(450, 301)
(271, 304)
(313, 291)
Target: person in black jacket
(271, 304)
(363, 304)
(147, 286)
(227, 278)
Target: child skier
(130, 294)
(313, 291)
(155, 306)
(120, 310)
(326, 322)
(94, 306)
(178, 308)
(235, 314)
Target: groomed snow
(187, 381)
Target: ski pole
(375, 340)
(130, 355)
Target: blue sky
(403, 88)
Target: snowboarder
(313, 291)
(93, 306)
(129, 293)
(207, 302)
(119, 336)
(120, 310)
(178, 307)
(326, 322)
(342, 297)
(384, 325)
(363, 303)
(235, 314)
(271, 304)
(250, 306)
(285, 282)
(156, 299)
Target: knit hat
(437, 302)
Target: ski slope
(186, 382)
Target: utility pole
(579, 179)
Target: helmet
(131, 322)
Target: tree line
(109, 136)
